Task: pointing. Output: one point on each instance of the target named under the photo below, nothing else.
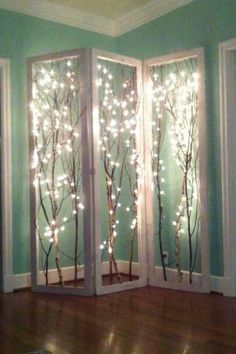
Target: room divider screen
(118, 193)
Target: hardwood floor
(141, 321)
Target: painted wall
(202, 23)
(21, 37)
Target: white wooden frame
(6, 176)
(85, 101)
(142, 264)
(227, 53)
(200, 281)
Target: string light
(175, 111)
(56, 143)
(118, 125)
(118, 131)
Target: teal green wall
(21, 37)
(201, 23)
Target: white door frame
(6, 176)
(227, 53)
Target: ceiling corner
(91, 22)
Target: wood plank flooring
(141, 321)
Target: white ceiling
(108, 8)
(110, 17)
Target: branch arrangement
(57, 163)
(120, 159)
(175, 110)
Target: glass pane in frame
(121, 170)
(57, 164)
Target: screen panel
(177, 225)
(57, 172)
(121, 171)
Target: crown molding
(91, 22)
(147, 13)
(61, 14)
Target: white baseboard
(124, 268)
(172, 275)
(218, 284)
(19, 281)
(173, 281)
(221, 285)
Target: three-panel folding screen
(118, 177)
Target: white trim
(146, 13)
(173, 282)
(61, 14)
(24, 280)
(91, 22)
(6, 196)
(197, 53)
(20, 281)
(147, 114)
(219, 285)
(216, 284)
(227, 53)
(86, 102)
